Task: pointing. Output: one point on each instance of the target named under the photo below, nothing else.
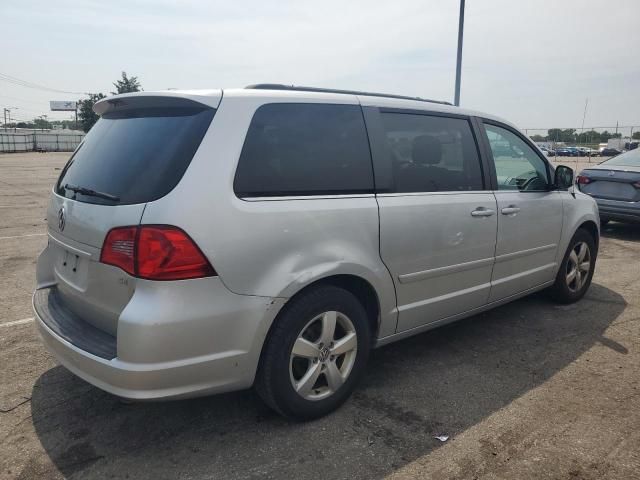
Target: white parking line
(25, 205)
(17, 322)
(22, 236)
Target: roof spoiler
(168, 99)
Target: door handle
(482, 212)
(510, 210)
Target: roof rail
(279, 86)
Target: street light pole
(456, 101)
(7, 112)
(584, 115)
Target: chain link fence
(590, 137)
(578, 147)
(12, 142)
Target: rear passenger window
(305, 149)
(432, 153)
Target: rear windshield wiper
(90, 193)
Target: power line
(19, 119)
(23, 83)
(25, 109)
(24, 100)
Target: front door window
(518, 166)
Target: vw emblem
(612, 173)
(61, 219)
(324, 354)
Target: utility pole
(456, 101)
(586, 102)
(7, 114)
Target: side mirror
(563, 178)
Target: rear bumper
(620, 211)
(166, 348)
(51, 311)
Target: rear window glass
(134, 156)
(305, 149)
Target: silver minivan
(208, 241)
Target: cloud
(532, 62)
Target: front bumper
(190, 338)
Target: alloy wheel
(578, 266)
(323, 355)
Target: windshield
(134, 156)
(627, 159)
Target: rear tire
(576, 270)
(307, 370)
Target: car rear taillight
(582, 180)
(155, 252)
(168, 253)
(119, 248)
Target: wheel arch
(580, 212)
(362, 289)
(591, 227)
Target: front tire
(576, 270)
(315, 354)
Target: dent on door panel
(440, 255)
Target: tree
(590, 136)
(85, 111)
(65, 124)
(567, 135)
(538, 138)
(86, 114)
(41, 124)
(605, 136)
(127, 84)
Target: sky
(533, 62)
